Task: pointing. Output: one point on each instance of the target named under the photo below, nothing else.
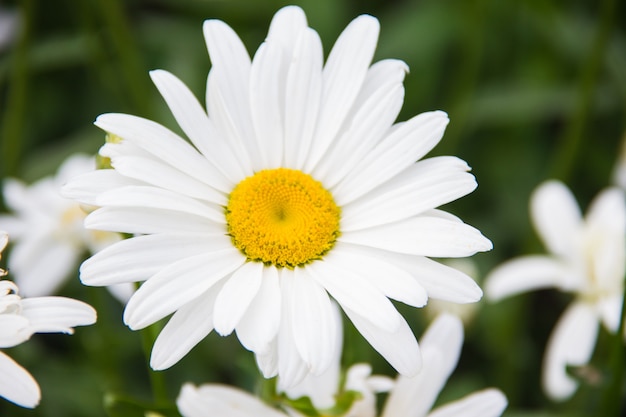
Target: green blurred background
(534, 90)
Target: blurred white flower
(20, 318)
(9, 25)
(47, 230)
(297, 185)
(586, 259)
(409, 396)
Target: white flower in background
(409, 396)
(297, 185)
(20, 318)
(586, 259)
(47, 230)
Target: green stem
(157, 379)
(13, 120)
(572, 138)
(612, 398)
(133, 71)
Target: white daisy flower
(586, 258)
(20, 318)
(297, 185)
(409, 396)
(47, 230)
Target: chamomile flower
(47, 231)
(20, 318)
(297, 186)
(586, 258)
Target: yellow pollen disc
(282, 217)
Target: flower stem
(612, 399)
(15, 105)
(572, 138)
(157, 379)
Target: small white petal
(56, 314)
(486, 403)
(86, 187)
(194, 121)
(422, 235)
(159, 198)
(526, 273)
(138, 258)
(15, 330)
(556, 216)
(189, 325)
(221, 400)
(141, 220)
(353, 292)
(422, 187)
(398, 347)
(259, 324)
(571, 343)
(236, 295)
(344, 73)
(178, 284)
(314, 324)
(408, 142)
(16, 384)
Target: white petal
(194, 121)
(86, 187)
(571, 343)
(267, 360)
(486, 403)
(142, 196)
(424, 186)
(606, 235)
(236, 295)
(407, 143)
(266, 90)
(138, 258)
(188, 326)
(422, 235)
(291, 368)
(16, 384)
(314, 324)
(353, 292)
(260, 322)
(56, 314)
(143, 220)
(398, 347)
(441, 347)
(221, 400)
(146, 169)
(523, 274)
(164, 145)
(440, 281)
(556, 217)
(227, 96)
(286, 26)
(376, 110)
(610, 310)
(344, 73)
(396, 283)
(178, 284)
(302, 98)
(15, 330)
(43, 269)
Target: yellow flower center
(282, 217)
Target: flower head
(586, 258)
(409, 396)
(47, 230)
(296, 185)
(20, 318)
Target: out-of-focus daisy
(586, 258)
(20, 318)
(409, 396)
(47, 230)
(297, 185)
